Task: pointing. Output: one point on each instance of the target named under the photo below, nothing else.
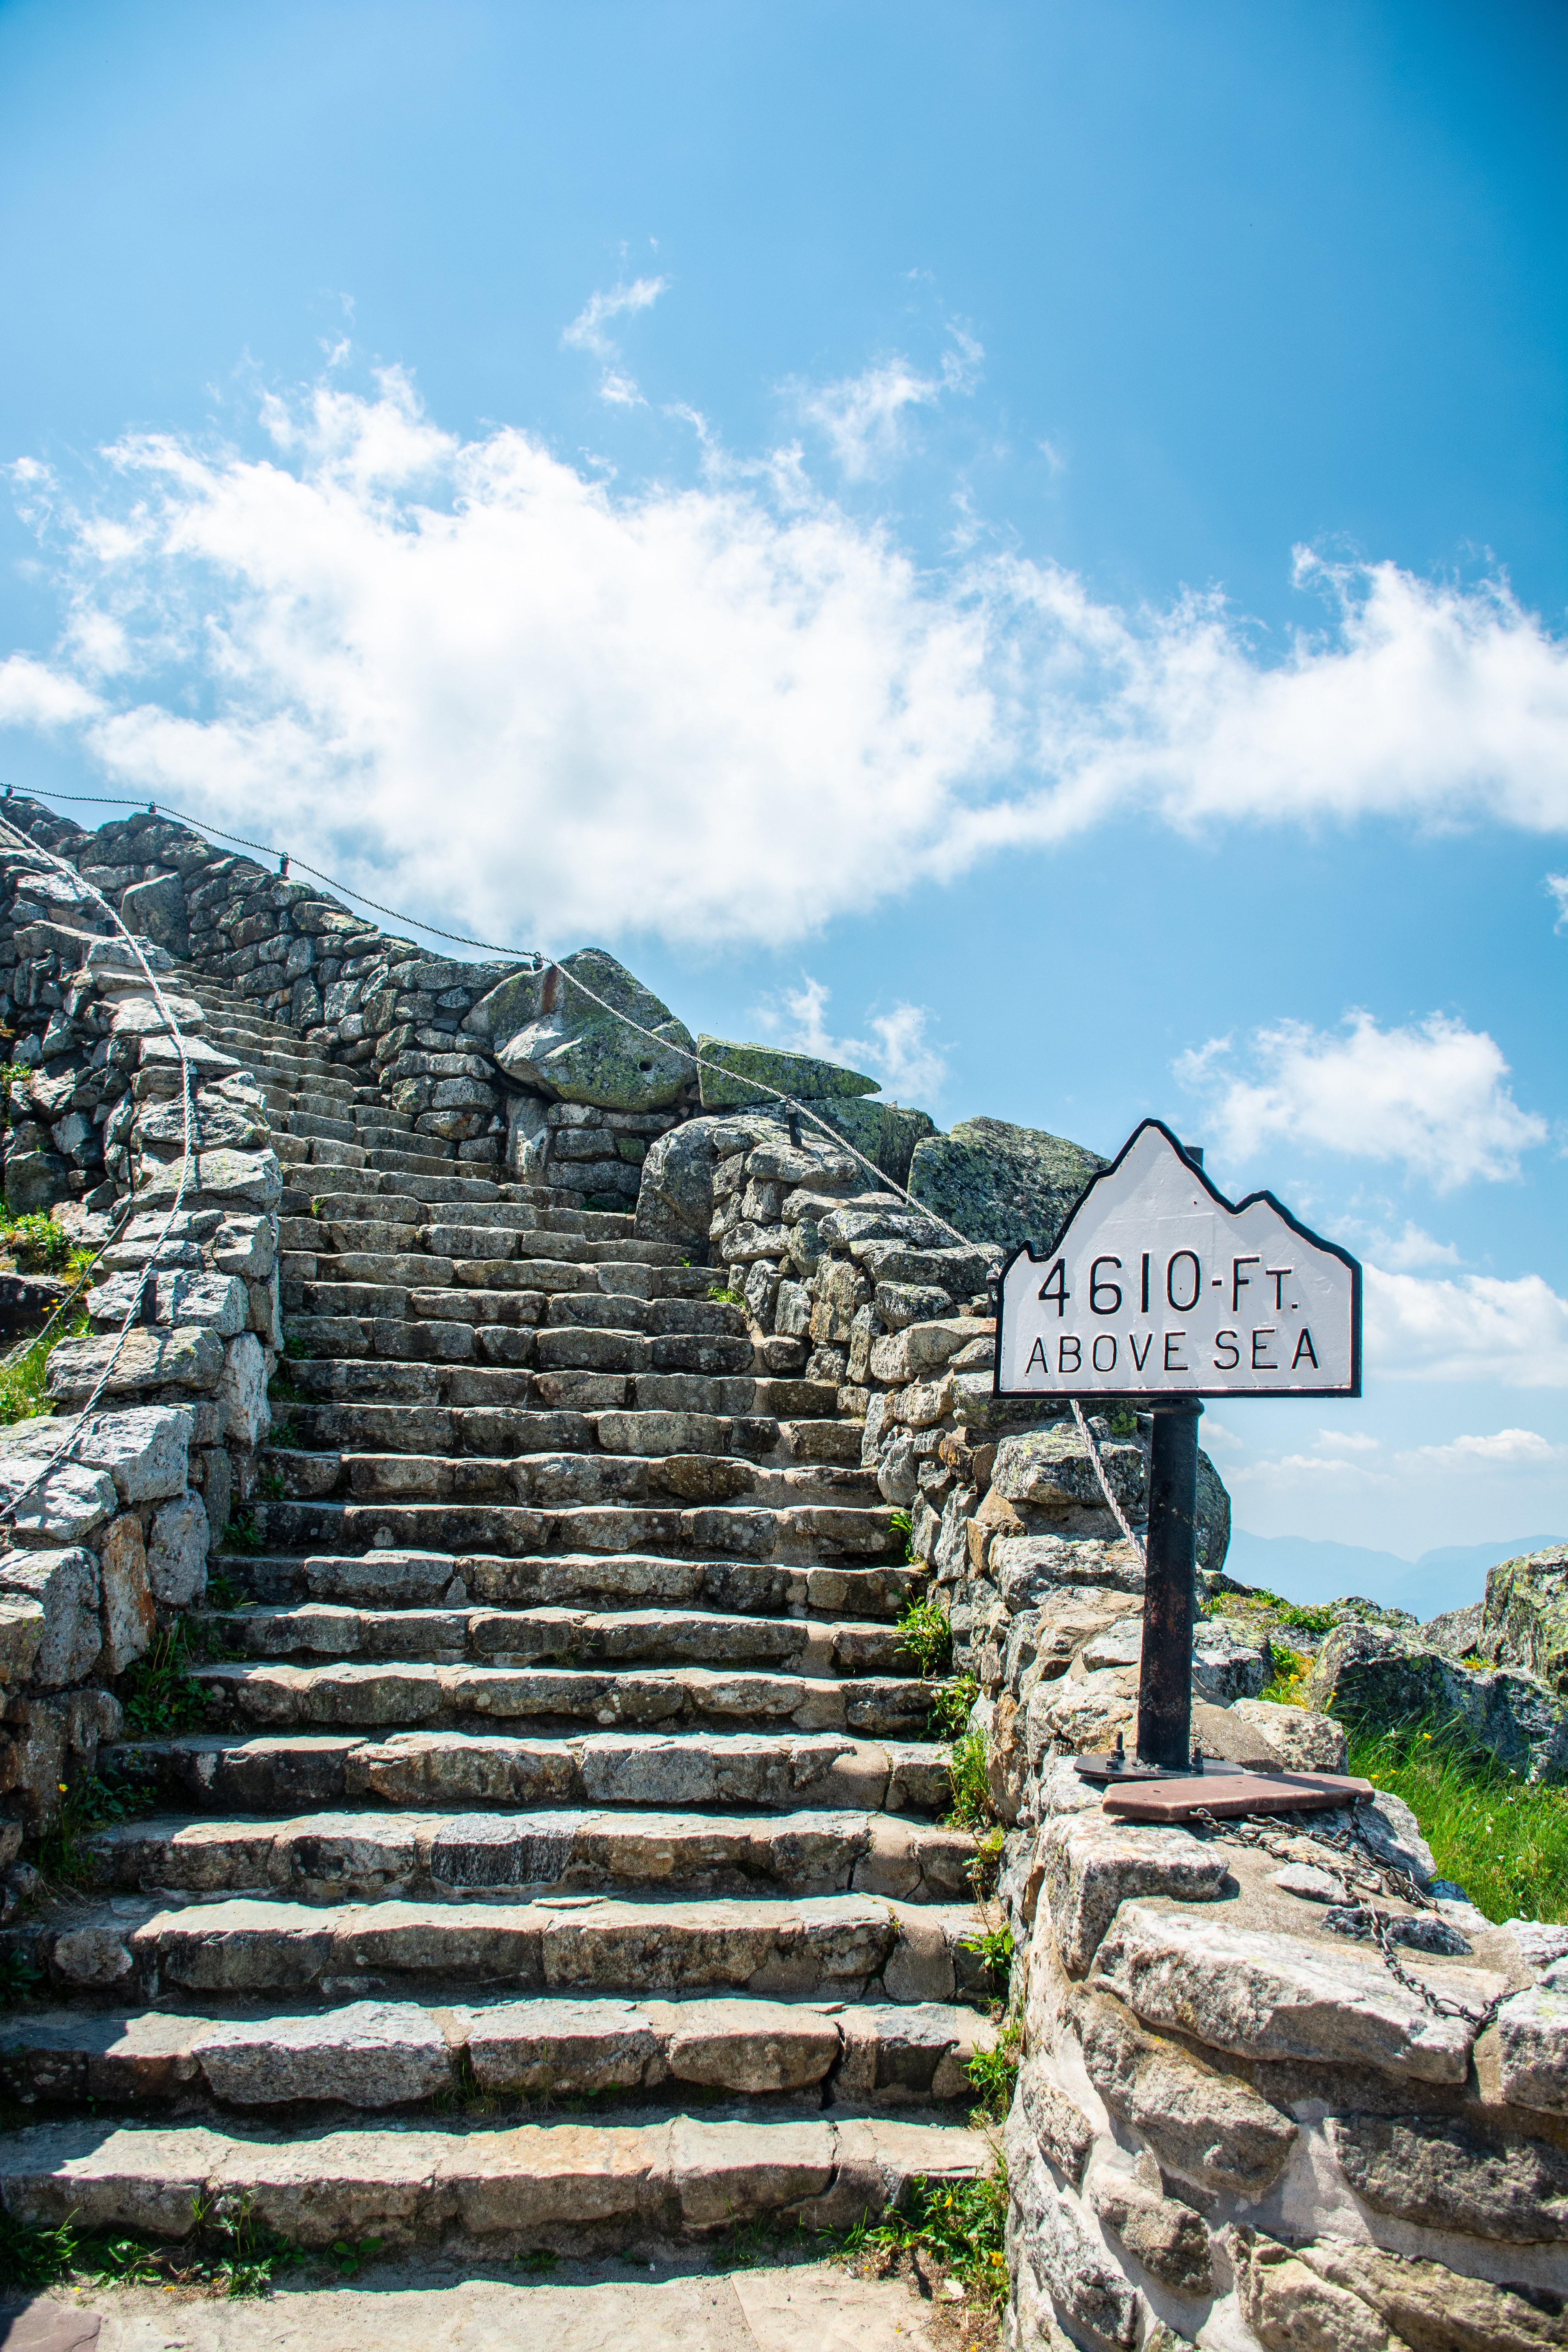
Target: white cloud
(1479, 1327)
(1432, 1096)
(1313, 1470)
(1557, 884)
(909, 1063)
(33, 694)
(1403, 1252)
(586, 333)
(1346, 1441)
(1506, 1449)
(863, 415)
(488, 686)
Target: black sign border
(1155, 1397)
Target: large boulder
(733, 1074)
(570, 1048)
(1377, 1679)
(156, 910)
(1524, 1620)
(675, 1197)
(888, 1135)
(1001, 1184)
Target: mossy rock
(732, 1074)
(574, 1050)
(997, 1182)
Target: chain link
(1370, 1873)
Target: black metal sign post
(1158, 1292)
(1169, 1577)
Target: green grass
(994, 2071)
(899, 1553)
(89, 1804)
(724, 1298)
(1292, 1668)
(985, 1862)
(1503, 1839)
(163, 1693)
(969, 1775)
(925, 1635)
(242, 1534)
(230, 2253)
(22, 1394)
(958, 2224)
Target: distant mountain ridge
(1301, 1570)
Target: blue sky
(1024, 545)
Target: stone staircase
(560, 1860)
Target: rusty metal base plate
(1239, 1791)
(1103, 1766)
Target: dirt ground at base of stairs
(618, 2305)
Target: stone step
(375, 2055)
(402, 1693)
(810, 1645)
(337, 1857)
(400, 1380)
(848, 1946)
(559, 1476)
(341, 1380)
(784, 1770)
(434, 1161)
(390, 1577)
(312, 1124)
(572, 2187)
(803, 1534)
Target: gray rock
(1532, 2050)
(91, 1956)
(67, 1504)
(1457, 1631)
(1374, 1678)
(1524, 1618)
(1211, 1515)
(65, 1584)
(1269, 1996)
(898, 1303)
(887, 1134)
(1092, 1863)
(177, 1553)
(574, 1051)
(1228, 1663)
(732, 1074)
(1285, 2302)
(1001, 1184)
(22, 1625)
(1433, 2308)
(675, 1197)
(370, 2053)
(1167, 2237)
(1209, 2128)
(155, 909)
(1303, 1740)
(1053, 1470)
(242, 1391)
(1446, 2174)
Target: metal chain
(1389, 1878)
(1117, 1513)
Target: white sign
(1159, 1288)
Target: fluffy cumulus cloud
(1505, 1449)
(1476, 1326)
(1433, 1096)
(480, 684)
(589, 331)
(899, 1049)
(865, 417)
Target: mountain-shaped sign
(1159, 1288)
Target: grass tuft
(164, 1696)
(925, 1635)
(22, 1396)
(1504, 1839)
(994, 2074)
(1292, 1668)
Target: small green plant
(1319, 1618)
(985, 1862)
(1292, 1668)
(994, 1947)
(297, 1351)
(350, 2255)
(725, 1297)
(223, 1593)
(925, 1635)
(949, 1704)
(1123, 1424)
(35, 2258)
(539, 2259)
(37, 1244)
(242, 1534)
(89, 1804)
(995, 2072)
(165, 1695)
(22, 1396)
(20, 1977)
(969, 1775)
(281, 1389)
(959, 2225)
(273, 1484)
(898, 1553)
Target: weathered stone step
(380, 1380)
(381, 2054)
(806, 1533)
(570, 2186)
(724, 1396)
(315, 1629)
(336, 1857)
(390, 1577)
(848, 1946)
(374, 1693)
(567, 1475)
(783, 1770)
